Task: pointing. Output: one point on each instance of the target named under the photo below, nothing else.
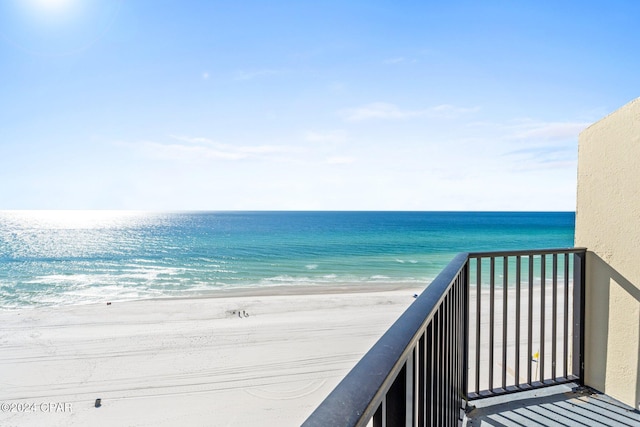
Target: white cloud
(531, 129)
(340, 160)
(397, 60)
(197, 148)
(188, 152)
(544, 157)
(549, 130)
(448, 110)
(386, 111)
(435, 166)
(402, 59)
(326, 136)
(539, 145)
(377, 110)
(253, 74)
(337, 86)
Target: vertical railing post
(410, 387)
(421, 379)
(505, 298)
(517, 331)
(395, 400)
(437, 372)
(543, 306)
(477, 321)
(565, 361)
(448, 350)
(530, 321)
(492, 291)
(579, 264)
(554, 314)
(446, 366)
(466, 286)
(380, 415)
(430, 377)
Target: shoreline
(248, 291)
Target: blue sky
(358, 105)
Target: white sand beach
(240, 360)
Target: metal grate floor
(561, 406)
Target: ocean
(76, 257)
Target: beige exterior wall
(608, 225)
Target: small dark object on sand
(108, 303)
(415, 295)
(98, 403)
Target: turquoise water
(70, 257)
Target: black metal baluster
(505, 290)
(517, 337)
(554, 319)
(478, 301)
(530, 321)
(492, 286)
(543, 262)
(565, 352)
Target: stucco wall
(608, 225)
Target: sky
(306, 105)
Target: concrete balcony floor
(559, 406)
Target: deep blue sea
(74, 257)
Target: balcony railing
(490, 323)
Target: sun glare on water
(73, 219)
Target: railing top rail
(356, 398)
(527, 252)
